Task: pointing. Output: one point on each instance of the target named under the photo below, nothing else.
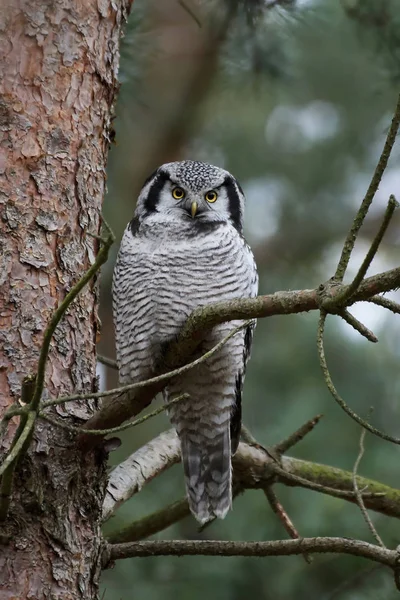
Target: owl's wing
(236, 416)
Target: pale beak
(193, 209)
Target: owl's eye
(178, 193)
(211, 196)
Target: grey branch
(253, 468)
(142, 466)
(203, 319)
(325, 545)
(360, 500)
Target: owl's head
(191, 191)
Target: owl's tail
(208, 473)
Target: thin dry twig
(111, 430)
(108, 362)
(148, 382)
(391, 305)
(358, 326)
(360, 500)
(284, 518)
(330, 385)
(369, 196)
(297, 436)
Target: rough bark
(58, 80)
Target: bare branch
(360, 500)
(203, 319)
(369, 196)
(58, 314)
(142, 466)
(346, 294)
(111, 430)
(109, 362)
(19, 443)
(148, 382)
(284, 518)
(324, 545)
(391, 305)
(358, 326)
(157, 521)
(297, 436)
(253, 468)
(334, 392)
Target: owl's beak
(193, 209)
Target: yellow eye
(211, 196)
(178, 193)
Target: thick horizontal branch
(324, 545)
(253, 468)
(126, 406)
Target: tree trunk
(58, 83)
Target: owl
(185, 249)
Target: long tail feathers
(208, 473)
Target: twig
(333, 545)
(148, 382)
(391, 305)
(297, 436)
(341, 298)
(157, 521)
(284, 518)
(154, 413)
(339, 400)
(360, 500)
(358, 326)
(20, 442)
(24, 429)
(369, 196)
(60, 311)
(109, 362)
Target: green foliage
(298, 111)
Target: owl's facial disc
(191, 190)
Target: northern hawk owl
(184, 249)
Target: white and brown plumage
(184, 249)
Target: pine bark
(58, 81)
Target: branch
(283, 517)
(153, 523)
(253, 468)
(354, 285)
(58, 314)
(109, 362)
(391, 305)
(358, 326)
(111, 430)
(203, 319)
(369, 196)
(164, 378)
(142, 466)
(324, 545)
(297, 436)
(339, 400)
(360, 500)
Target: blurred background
(295, 99)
